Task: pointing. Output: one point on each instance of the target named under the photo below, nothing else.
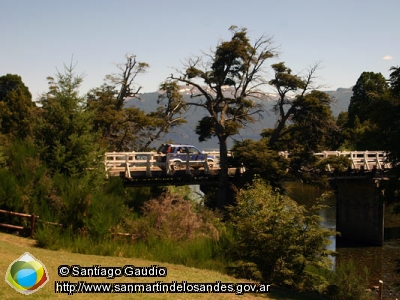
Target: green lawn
(12, 247)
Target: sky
(345, 37)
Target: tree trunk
(223, 175)
(281, 125)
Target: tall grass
(168, 229)
(202, 252)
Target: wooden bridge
(360, 160)
(154, 168)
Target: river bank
(383, 263)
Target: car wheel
(176, 165)
(210, 164)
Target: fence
(19, 228)
(34, 218)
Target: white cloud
(387, 57)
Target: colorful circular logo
(26, 274)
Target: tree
(285, 83)
(390, 119)
(64, 129)
(281, 237)
(370, 87)
(232, 77)
(367, 105)
(125, 128)
(169, 112)
(302, 111)
(120, 127)
(16, 107)
(313, 121)
(125, 80)
(309, 125)
(117, 124)
(386, 117)
(305, 124)
(394, 81)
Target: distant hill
(185, 133)
(341, 99)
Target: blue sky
(346, 37)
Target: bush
(279, 236)
(171, 217)
(346, 283)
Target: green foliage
(313, 124)
(369, 107)
(205, 129)
(120, 128)
(285, 84)
(370, 87)
(27, 175)
(9, 194)
(348, 283)
(64, 129)
(79, 203)
(260, 160)
(395, 81)
(284, 80)
(52, 237)
(281, 237)
(312, 127)
(16, 107)
(387, 119)
(130, 128)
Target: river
(381, 262)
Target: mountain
(341, 99)
(185, 133)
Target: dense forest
(52, 153)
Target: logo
(27, 274)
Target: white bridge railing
(366, 160)
(132, 163)
(148, 163)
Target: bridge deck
(146, 168)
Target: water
(381, 262)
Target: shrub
(347, 283)
(279, 236)
(171, 217)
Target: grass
(12, 247)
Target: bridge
(136, 167)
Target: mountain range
(185, 133)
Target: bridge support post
(360, 211)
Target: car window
(193, 150)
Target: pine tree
(64, 128)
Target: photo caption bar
(71, 288)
